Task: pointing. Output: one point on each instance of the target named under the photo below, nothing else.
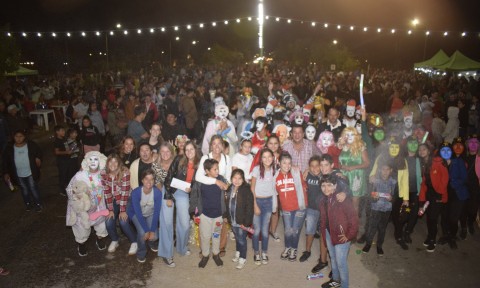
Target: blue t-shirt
(135, 130)
(211, 200)
(385, 187)
(22, 163)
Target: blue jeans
(241, 241)
(111, 224)
(311, 221)
(182, 201)
(28, 186)
(261, 224)
(293, 222)
(338, 257)
(165, 243)
(142, 245)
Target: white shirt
(224, 169)
(243, 162)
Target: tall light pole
(260, 29)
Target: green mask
(412, 146)
(379, 134)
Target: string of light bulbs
(211, 24)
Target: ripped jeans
(293, 222)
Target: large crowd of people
(196, 152)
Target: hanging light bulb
(68, 34)
(214, 24)
(393, 31)
(139, 31)
(189, 27)
(313, 24)
(97, 33)
(200, 25)
(39, 34)
(84, 34)
(351, 28)
(325, 25)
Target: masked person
(310, 132)
(92, 165)
(467, 219)
(220, 126)
(349, 119)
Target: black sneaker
(380, 251)
(442, 240)
(203, 262)
(217, 260)
(402, 244)
(316, 236)
(431, 246)
(320, 266)
(362, 239)
(366, 248)
(38, 208)
(305, 256)
(29, 207)
(101, 244)
(82, 249)
(285, 253)
(331, 284)
(292, 256)
(426, 242)
(407, 238)
(463, 234)
(453, 244)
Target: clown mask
(269, 109)
(408, 122)
(221, 111)
(350, 111)
(325, 140)
(299, 119)
(458, 148)
(350, 137)
(446, 153)
(310, 132)
(394, 150)
(282, 135)
(358, 126)
(412, 146)
(93, 163)
(259, 126)
(473, 146)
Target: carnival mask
(379, 135)
(299, 119)
(473, 145)
(350, 111)
(310, 132)
(350, 137)
(326, 139)
(93, 163)
(358, 126)
(408, 122)
(394, 149)
(221, 111)
(458, 148)
(446, 153)
(259, 125)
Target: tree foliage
(9, 53)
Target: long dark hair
(260, 163)
(183, 162)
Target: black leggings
(434, 211)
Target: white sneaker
(264, 258)
(236, 257)
(188, 253)
(241, 263)
(133, 249)
(232, 236)
(113, 246)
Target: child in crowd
(243, 159)
(74, 159)
(339, 224)
(144, 210)
(209, 201)
(62, 154)
(381, 206)
(291, 189)
(240, 214)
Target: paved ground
(40, 251)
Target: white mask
(408, 122)
(222, 112)
(259, 126)
(94, 162)
(299, 119)
(327, 141)
(269, 109)
(310, 132)
(350, 137)
(359, 128)
(350, 111)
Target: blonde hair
(358, 145)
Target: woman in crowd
(183, 168)
(89, 136)
(180, 142)
(144, 210)
(97, 121)
(116, 187)
(127, 151)
(265, 195)
(161, 167)
(155, 139)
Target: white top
(243, 162)
(146, 203)
(224, 169)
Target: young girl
(240, 214)
(116, 185)
(144, 210)
(89, 136)
(265, 195)
(243, 159)
(291, 189)
(209, 201)
(339, 224)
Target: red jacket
(439, 177)
(342, 219)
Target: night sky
(380, 49)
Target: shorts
(311, 221)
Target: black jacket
(196, 198)
(176, 172)
(9, 167)
(244, 209)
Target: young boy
(209, 200)
(73, 145)
(62, 154)
(339, 225)
(381, 206)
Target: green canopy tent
(459, 62)
(22, 71)
(438, 59)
